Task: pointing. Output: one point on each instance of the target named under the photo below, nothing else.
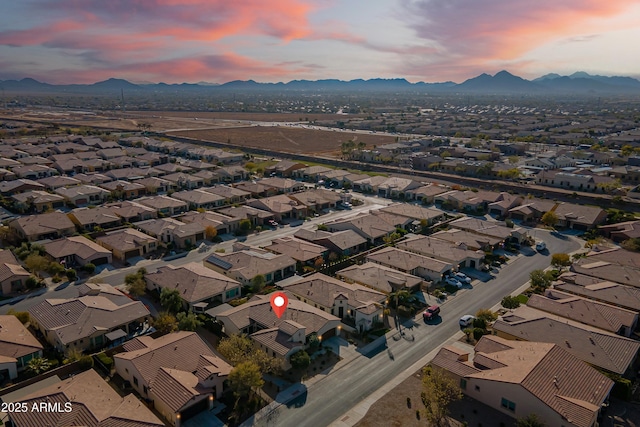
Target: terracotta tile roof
(16, 340)
(276, 339)
(594, 346)
(161, 202)
(488, 228)
(379, 277)
(368, 226)
(343, 240)
(249, 263)
(126, 239)
(79, 246)
(439, 249)
(414, 212)
(94, 404)
(588, 215)
(407, 261)
(471, 240)
(297, 249)
(98, 215)
(194, 281)
(616, 265)
(175, 388)
(603, 316)
(37, 196)
(8, 271)
(44, 223)
(597, 289)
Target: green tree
(38, 365)
(550, 219)
(37, 264)
(188, 321)
(510, 302)
(135, 284)
(23, 316)
(244, 225)
(300, 360)
(165, 323)
(245, 378)
(239, 348)
(170, 300)
(560, 260)
(486, 315)
(258, 282)
(89, 268)
(210, 232)
(439, 390)
(540, 280)
(530, 420)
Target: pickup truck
(431, 312)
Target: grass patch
(522, 298)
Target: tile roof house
(98, 218)
(37, 201)
(44, 226)
(599, 290)
(380, 278)
(407, 262)
(131, 211)
(472, 241)
(599, 315)
(81, 195)
(155, 185)
(16, 186)
(198, 286)
(164, 204)
(170, 230)
(85, 322)
(311, 173)
(298, 249)
(184, 181)
(489, 228)
(13, 276)
(414, 212)
(222, 223)
(77, 251)
(522, 378)
(427, 193)
(317, 200)
(228, 193)
(92, 403)
(17, 346)
(255, 215)
(124, 189)
(370, 227)
(247, 262)
(621, 231)
(127, 243)
(456, 254)
(53, 182)
(358, 305)
(283, 185)
(595, 346)
(178, 372)
(344, 243)
(199, 199)
(279, 337)
(285, 168)
(615, 265)
(467, 200)
(531, 210)
(281, 206)
(579, 217)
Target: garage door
(131, 254)
(100, 261)
(81, 202)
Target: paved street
(329, 399)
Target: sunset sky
(175, 41)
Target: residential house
(573, 181)
(222, 223)
(199, 286)
(127, 243)
(101, 315)
(370, 184)
(111, 153)
(614, 265)
(426, 193)
(469, 201)
(599, 290)
(282, 185)
(621, 231)
(9, 188)
(170, 230)
(93, 403)
(334, 177)
(231, 174)
(300, 250)
(164, 205)
(94, 178)
(230, 194)
(410, 263)
(178, 372)
(246, 263)
(417, 215)
(94, 219)
(343, 243)
(81, 195)
(131, 211)
(281, 206)
(396, 187)
(603, 350)
(612, 319)
(579, 217)
(183, 180)
(156, 185)
(124, 189)
(279, 337)
(17, 347)
(358, 306)
(472, 241)
(13, 276)
(370, 227)
(57, 181)
(44, 226)
(284, 168)
(254, 215)
(37, 201)
(199, 199)
(130, 174)
(317, 200)
(255, 189)
(77, 251)
(311, 173)
(504, 203)
(489, 228)
(380, 278)
(531, 210)
(524, 378)
(456, 254)
(34, 171)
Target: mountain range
(502, 82)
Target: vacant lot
(254, 117)
(292, 140)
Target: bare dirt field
(254, 117)
(292, 140)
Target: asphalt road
(330, 398)
(116, 277)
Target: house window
(463, 383)
(135, 380)
(477, 388)
(505, 403)
(144, 388)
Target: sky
(176, 41)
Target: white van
(466, 320)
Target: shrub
(105, 360)
(71, 274)
(23, 316)
(89, 268)
(85, 362)
(32, 283)
(478, 333)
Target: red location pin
(279, 302)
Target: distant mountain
(502, 82)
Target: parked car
(431, 312)
(463, 278)
(466, 320)
(541, 246)
(272, 223)
(453, 282)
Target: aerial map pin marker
(279, 302)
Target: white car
(453, 282)
(466, 320)
(461, 277)
(541, 246)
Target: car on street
(431, 312)
(466, 320)
(462, 278)
(453, 282)
(541, 246)
(272, 223)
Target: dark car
(431, 312)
